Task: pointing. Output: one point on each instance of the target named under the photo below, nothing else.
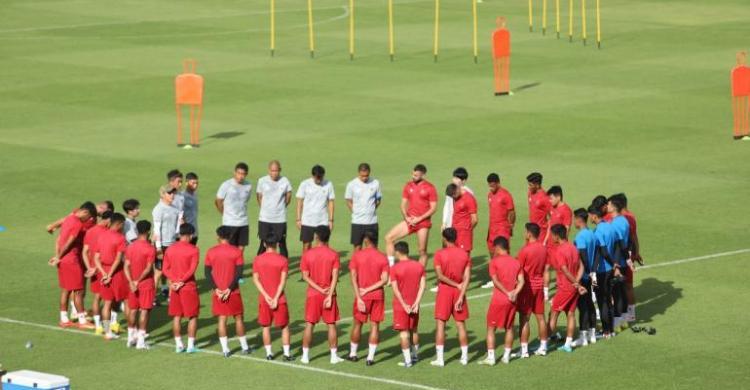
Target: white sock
(98, 321)
(568, 341)
(543, 344)
(631, 310)
(491, 354)
(224, 341)
(464, 352)
(334, 351)
(353, 349)
(584, 335)
(286, 350)
(81, 318)
(141, 339)
(269, 351)
(407, 355)
(371, 352)
(305, 353)
(439, 352)
(391, 260)
(113, 316)
(122, 306)
(73, 311)
(506, 354)
(415, 350)
(592, 333)
(178, 343)
(243, 342)
(524, 348)
(191, 342)
(64, 316)
(131, 334)
(105, 326)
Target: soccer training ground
(87, 113)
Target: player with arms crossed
(408, 283)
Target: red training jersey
(268, 267)
(500, 205)
(452, 262)
(320, 262)
(109, 245)
(562, 214)
(539, 208)
(419, 195)
(566, 254)
(72, 226)
(91, 239)
(505, 269)
(180, 262)
(463, 208)
(407, 275)
(533, 259)
(223, 260)
(369, 263)
(141, 256)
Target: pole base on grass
(435, 58)
(502, 93)
(180, 145)
(312, 54)
(558, 35)
(272, 53)
(391, 57)
(351, 57)
(598, 45)
(476, 60)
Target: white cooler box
(25, 380)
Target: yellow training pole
(598, 27)
(437, 30)
(544, 17)
(583, 21)
(557, 18)
(570, 20)
(351, 30)
(474, 31)
(531, 16)
(310, 28)
(391, 46)
(273, 26)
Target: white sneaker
(525, 355)
(336, 360)
(584, 342)
(464, 361)
(304, 360)
(437, 363)
(487, 361)
(434, 289)
(592, 339)
(489, 284)
(405, 364)
(505, 360)
(144, 347)
(540, 352)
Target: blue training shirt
(622, 230)
(607, 237)
(586, 241)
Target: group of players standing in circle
(124, 260)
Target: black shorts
(267, 229)
(307, 233)
(239, 235)
(358, 233)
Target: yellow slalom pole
(273, 26)
(437, 30)
(391, 45)
(474, 30)
(310, 28)
(544, 17)
(598, 26)
(583, 21)
(570, 20)
(531, 16)
(557, 18)
(351, 30)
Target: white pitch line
(692, 259)
(251, 358)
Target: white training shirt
(315, 201)
(190, 209)
(364, 197)
(273, 201)
(235, 196)
(131, 233)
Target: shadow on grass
(654, 297)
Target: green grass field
(87, 113)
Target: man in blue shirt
(585, 242)
(605, 267)
(621, 227)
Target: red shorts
(230, 308)
(94, 284)
(315, 310)
(628, 276)
(445, 304)
(403, 320)
(70, 275)
(501, 314)
(465, 240)
(425, 224)
(492, 235)
(117, 290)
(142, 299)
(531, 301)
(565, 301)
(184, 302)
(267, 316)
(374, 309)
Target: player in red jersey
(560, 213)
(533, 259)
(67, 260)
(223, 268)
(89, 250)
(408, 283)
(180, 262)
(539, 204)
(569, 270)
(369, 273)
(502, 216)
(418, 203)
(320, 269)
(108, 259)
(453, 269)
(464, 218)
(600, 202)
(270, 270)
(507, 275)
(105, 205)
(139, 262)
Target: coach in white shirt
(363, 197)
(231, 201)
(274, 192)
(314, 205)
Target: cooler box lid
(30, 378)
